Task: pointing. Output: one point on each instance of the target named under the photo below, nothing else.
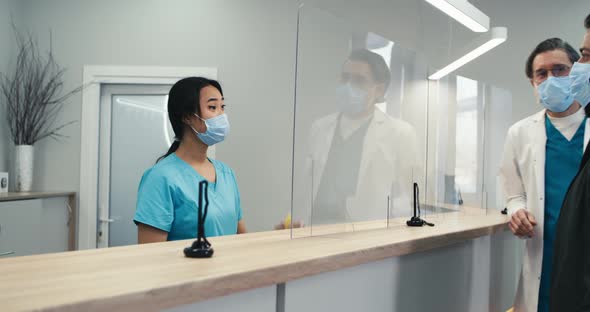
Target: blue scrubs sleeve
(155, 205)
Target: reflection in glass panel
(359, 100)
(466, 150)
(468, 122)
(368, 124)
(497, 122)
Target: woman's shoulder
(163, 169)
(221, 166)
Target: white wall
(253, 45)
(8, 8)
(529, 22)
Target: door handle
(106, 220)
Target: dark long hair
(183, 101)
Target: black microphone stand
(416, 220)
(201, 248)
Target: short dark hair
(379, 68)
(550, 45)
(587, 22)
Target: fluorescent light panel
(464, 13)
(497, 37)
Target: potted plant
(33, 98)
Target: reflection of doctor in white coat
(523, 169)
(360, 156)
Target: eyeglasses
(356, 80)
(557, 71)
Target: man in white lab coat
(360, 156)
(542, 155)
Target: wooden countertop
(156, 276)
(12, 196)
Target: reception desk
(466, 262)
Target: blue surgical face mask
(351, 100)
(217, 129)
(580, 76)
(555, 94)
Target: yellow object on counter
(287, 221)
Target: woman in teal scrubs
(168, 192)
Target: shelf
(12, 196)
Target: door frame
(93, 78)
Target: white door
(134, 133)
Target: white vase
(23, 168)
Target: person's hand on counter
(287, 224)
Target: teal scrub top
(168, 199)
(563, 160)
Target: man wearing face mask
(359, 157)
(570, 281)
(542, 155)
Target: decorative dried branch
(32, 94)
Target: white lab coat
(388, 158)
(522, 174)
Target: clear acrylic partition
(359, 141)
(468, 122)
(360, 144)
